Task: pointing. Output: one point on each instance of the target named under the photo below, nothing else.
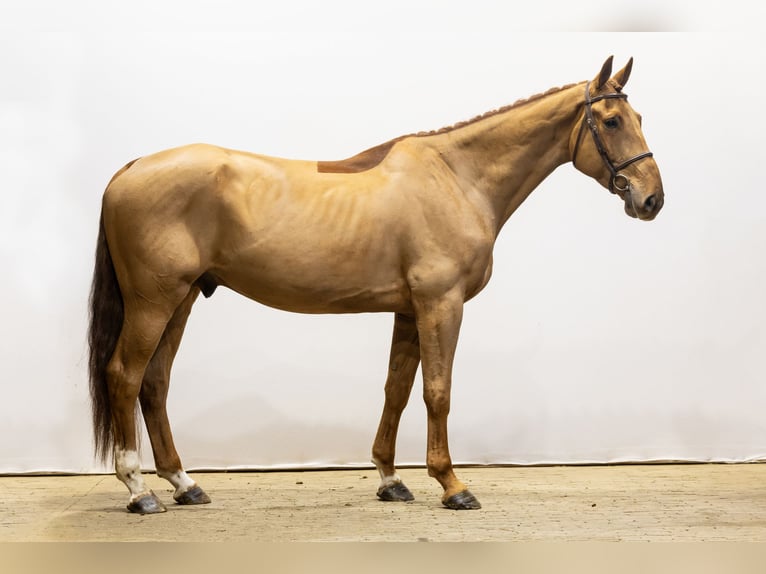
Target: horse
(406, 227)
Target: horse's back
(267, 227)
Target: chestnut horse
(407, 227)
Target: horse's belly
(314, 287)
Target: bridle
(615, 187)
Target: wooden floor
(702, 502)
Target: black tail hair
(106, 318)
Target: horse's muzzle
(645, 208)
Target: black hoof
(147, 504)
(194, 495)
(395, 492)
(462, 501)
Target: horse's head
(608, 145)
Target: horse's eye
(612, 123)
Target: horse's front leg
(402, 367)
(438, 322)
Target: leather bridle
(615, 187)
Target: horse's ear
(622, 76)
(605, 73)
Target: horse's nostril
(650, 203)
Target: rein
(614, 187)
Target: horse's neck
(506, 155)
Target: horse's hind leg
(142, 330)
(153, 398)
(402, 367)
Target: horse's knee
(437, 402)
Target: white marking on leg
(386, 480)
(128, 470)
(180, 480)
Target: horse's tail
(106, 317)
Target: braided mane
(373, 156)
(489, 114)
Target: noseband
(624, 183)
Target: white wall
(600, 338)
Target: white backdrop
(599, 338)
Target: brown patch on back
(360, 162)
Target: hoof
(395, 492)
(194, 495)
(147, 504)
(462, 501)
